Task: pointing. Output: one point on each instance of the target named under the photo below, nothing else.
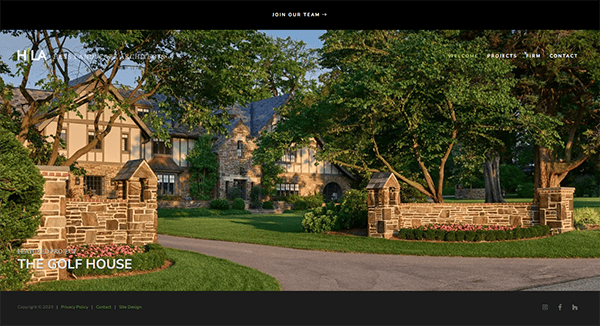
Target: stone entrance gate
(387, 214)
(131, 219)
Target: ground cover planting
(113, 258)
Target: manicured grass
(285, 230)
(191, 272)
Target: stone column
(382, 217)
(51, 233)
(556, 208)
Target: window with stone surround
(286, 189)
(166, 184)
(92, 185)
(239, 148)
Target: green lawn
(285, 230)
(191, 272)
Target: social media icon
(544, 307)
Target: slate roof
(255, 115)
(378, 180)
(163, 163)
(128, 170)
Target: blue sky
(9, 45)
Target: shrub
(256, 194)
(479, 235)
(320, 220)
(220, 204)
(353, 209)
(586, 185)
(518, 233)
(586, 215)
(233, 193)
(238, 204)
(450, 236)
(525, 190)
(300, 205)
(21, 190)
(460, 235)
(418, 234)
(490, 235)
(469, 235)
(314, 201)
(501, 235)
(267, 205)
(429, 234)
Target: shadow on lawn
(284, 223)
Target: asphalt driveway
(308, 270)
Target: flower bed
(113, 258)
(471, 233)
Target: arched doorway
(332, 192)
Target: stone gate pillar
(382, 197)
(138, 186)
(51, 234)
(556, 208)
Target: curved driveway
(306, 270)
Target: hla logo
(27, 55)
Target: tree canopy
(399, 101)
(196, 72)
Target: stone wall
(505, 214)
(69, 221)
(386, 214)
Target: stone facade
(69, 221)
(235, 167)
(386, 214)
(312, 183)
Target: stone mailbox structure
(387, 214)
(131, 219)
(383, 194)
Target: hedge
(421, 233)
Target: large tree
(557, 73)
(196, 72)
(396, 100)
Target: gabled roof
(255, 115)
(20, 102)
(131, 169)
(382, 180)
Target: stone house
(301, 176)
(131, 139)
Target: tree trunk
(548, 173)
(491, 175)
